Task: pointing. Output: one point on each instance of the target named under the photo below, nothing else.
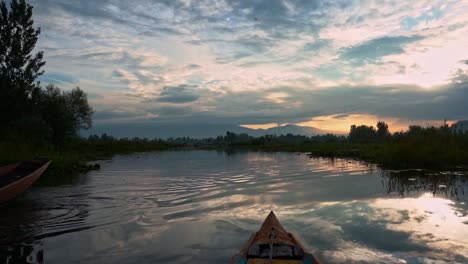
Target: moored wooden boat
(16, 178)
(274, 245)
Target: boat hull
(273, 244)
(16, 188)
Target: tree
(81, 111)
(18, 40)
(19, 68)
(362, 133)
(65, 112)
(26, 110)
(382, 131)
(230, 137)
(56, 114)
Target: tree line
(364, 134)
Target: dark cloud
(372, 50)
(400, 101)
(231, 108)
(114, 114)
(193, 66)
(171, 112)
(178, 94)
(342, 116)
(118, 74)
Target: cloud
(262, 61)
(178, 94)
(341, 116)
(371, 51)
(171, 111)
(58, 78)
(114, 115)
(283, 18)
(294, 105)
(193, 66)
(316, 45)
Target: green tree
(19, 67)
(27, 112)
(65, 112)
(80, 109)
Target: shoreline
(82, 160)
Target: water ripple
(177, 207)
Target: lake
(202, 206)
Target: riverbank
(386, 155)
(447, 153)
(77, 156)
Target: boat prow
(273, 244)
(16, 178)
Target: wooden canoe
(16, 178)
(272, 244)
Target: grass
(75, 156)
(423, 148)
(394, 155)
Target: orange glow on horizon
(341, 123)
(260, 126)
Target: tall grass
(416, 148)
(74, 156)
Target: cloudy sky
(322, 63)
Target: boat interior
(21, 170)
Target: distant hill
(287, 129)
(164, 131)
(461, 126)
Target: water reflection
(439, 223)
(181, 206)
(451, 184)
(21, 254)
(39, 214)
(17, 226)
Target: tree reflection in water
(450, 184)
(21, 254)
(36, 215)
(18, 245)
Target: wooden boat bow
(273, 244)
(16, 178)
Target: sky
(260, 63)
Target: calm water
(202, 206)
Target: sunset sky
(259, 63)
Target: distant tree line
(368, 134)
(29, 112)
(416, 147)
(357, 134)
(231, 138)
(365, 133)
